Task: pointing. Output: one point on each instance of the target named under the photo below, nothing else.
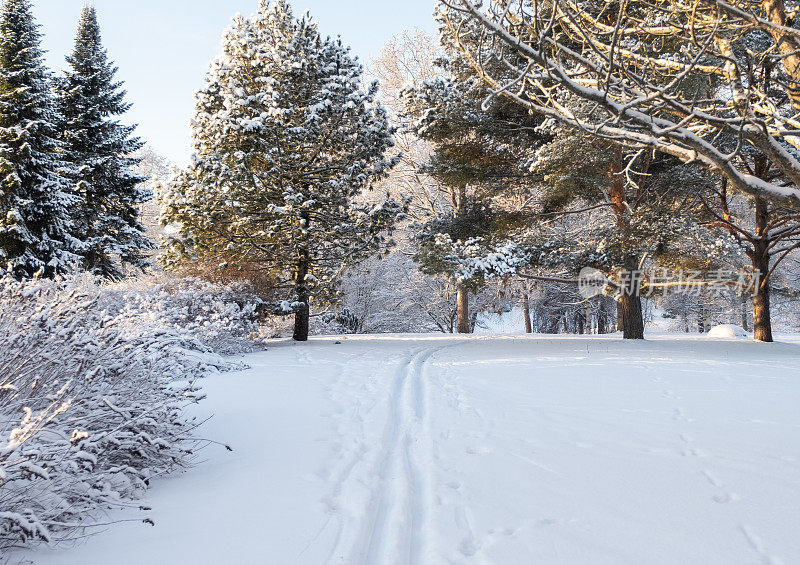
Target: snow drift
(727, 331)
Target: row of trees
(536, 140)
(68, 194)
(618, 136)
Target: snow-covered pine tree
(480, 153)
(286, 142)
(34, 223)
(98, 149)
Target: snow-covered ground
(429, 449)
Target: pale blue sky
(163, 47)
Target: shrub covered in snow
(222, 318)
(93, 383)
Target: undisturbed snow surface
(486, 450)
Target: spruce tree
(98, 149)
(286, 142)
(34, 224)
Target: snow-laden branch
(93, 384)
(694, 80)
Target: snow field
(429, 449)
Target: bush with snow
(221, 318)
(93, 383)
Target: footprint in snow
(678, 414)
(725, 498)
(548, 522)
(758, 545)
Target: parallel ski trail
(383, 450)
(396, 523)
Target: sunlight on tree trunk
(526, 312)
(463, 309)
(762, 322)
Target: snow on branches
(97, 151)
(35, 228)
(93, 385)
(701, 81)
(286, 145)
(473, 260)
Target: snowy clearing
(429, 449)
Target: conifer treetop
(34, 223)
(98, 149)
(287, 144)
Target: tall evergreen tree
(98, 149)
(34, 224)
(480, 151)
(286, 142)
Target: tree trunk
(552, 324)
(462, 303)
(762, 325)
(601, 316)
(630, 304)
(580, 323)
(526, 312)
(632, 321)
(762, 321)
(744, 314)
(588, 318)
(302, 316)
(701, 328)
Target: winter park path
(427, 449)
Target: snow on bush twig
(93, 383)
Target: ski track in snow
(426, 450)
(396, 518)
